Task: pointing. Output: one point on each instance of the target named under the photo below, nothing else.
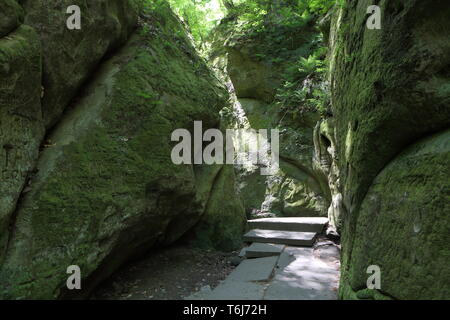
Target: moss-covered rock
(252, 79)
(390, 89)
(11, 16)
(106, 188)
(224, 220)
(300, 193)
(254, 65)
(70, 56)
(21, 125)
(294, 190)
(404, 227)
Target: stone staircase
(281, 231)
(281, 264)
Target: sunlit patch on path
(281, 271)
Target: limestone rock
(389, 86)
(224, 220)
(252, 80)
(254, 73)
(69, 56)
(404, 226)
(11, 16)
(390, 90)
(106, 189)
(295, 190)
(21, 125)
(326, 165)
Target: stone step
(247, 282)
(254, 269)
(293, 238)
(261, 250)
(289, 224)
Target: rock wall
(326, 162)
(223, 220)
(43, 65)
(391, 110)
(103, 189)
(70, 56)
(403, 227)
(298, 189)
(21, 123)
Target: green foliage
(305, 88)
(289, 12)
(320, 6)
(283, 30)
(200, 16)
(285, 34)
(309, 65)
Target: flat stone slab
(247, 282)
(259, 269)
(302, 276)
(260, 250)
(280, 237)
(237, 290)
(300, 224)
(299, 273)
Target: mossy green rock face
(256, 74)
(21, 125)
(404, 226)
(69, 56)
(294, 190)
(11, 16)
(224, 220)
(107, 189)
(251, 79)
(390, 88)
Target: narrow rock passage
(282, 272)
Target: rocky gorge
(86, 118)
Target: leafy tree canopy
(201, 16)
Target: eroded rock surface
(105, 188)
(21, 124)
(70, 56)
(11, 16)
(403, 226)
(390, 90)
(297, 189)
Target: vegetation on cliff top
(202, 16)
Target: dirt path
(168, 274)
